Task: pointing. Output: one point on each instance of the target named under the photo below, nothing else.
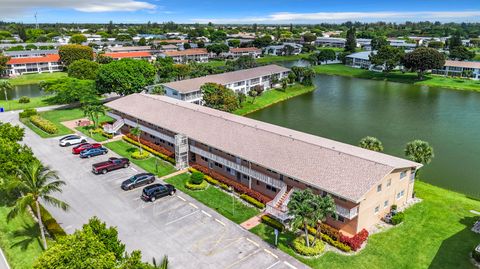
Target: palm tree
(325, 207)
(284, 83)
(5, 85)
(137, 132)
(163, 263)
(93, 112)
(301, 207)
(419, 151)
(371, 143)
(35, 182)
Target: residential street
(191, 234)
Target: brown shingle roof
(462, 64)
(194, 84)
(344, 170)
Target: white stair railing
(112, 128)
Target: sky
(243, 11)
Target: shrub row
(44, 124)
(26, 113)
(153, 146)
(105, 134)
(300, 246)
(273, 222)
(397, 218)
(151, 150)
(335, 243)
(196, 187)
(52, 226)
(252, 201)
(356, 241)
(331, 236)
(238, 187)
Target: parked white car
(71, 140)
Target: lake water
(31, 90)
(347, 109)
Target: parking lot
(192, 235)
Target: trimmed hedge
(335, 243)
(50, 223)
(196, 177)
(397, 218)
(44, 124)
(140, 156)
(26, 113)
(24, 100)
(153, 151)
(252, 201)
(196, 187)
(331, 236)
(300, 246)
(274, 223)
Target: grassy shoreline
(35, 102)
(272, 97)
(410, 78)
(35, 78)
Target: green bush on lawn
(196, 187)
(300, 246)
(273, 222)
(252, 201)
(44, 124)
(140, 156)
(24, 100)
(196, 177)
(26, 113)
(398, 218)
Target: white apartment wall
(19, 69)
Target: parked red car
(84, 146)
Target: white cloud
(11, 8)
(287, 17)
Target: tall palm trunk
(318, 233)
(140, 145)
(40, 224)
(306, 234)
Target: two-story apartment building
(460, 69)
(41, 64)
(237, 52)
(271, 160)
(188, 55)
(238, 81)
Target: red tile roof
(132, 54)
(185, 52)
(29, 60)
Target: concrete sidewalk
(3, 261)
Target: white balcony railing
(245, 170)
(347, 213)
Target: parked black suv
(138, 180)
(155, 191)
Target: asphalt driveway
(191, 234)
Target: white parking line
(242, 259)
(273, 265)
(253, 242)
(205, 213)
(173, 221)
(134, 169)
(181, 198)
(271, 253)
(192, 205)
(219, 221)
(289, 265)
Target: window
(269, 187)
(385, 204)
(403, 174)
(377, 208)
(389, 182)
(258, 182)
(400, 194)
(379, 188)
(340, 218)
(412, 176)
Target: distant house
(460, 69)
(49, 63)
(400, 43)
(237, 52)
(330, 42)
(238, 81)
(138, 55)
(359, 60)
(280, 49)
(29, 53)
(169, 47)
(129, 48)
(188, 55)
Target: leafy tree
(200, 44)
(71, 53)
(5, 86)
(219, 97)
(218, 48)
(261, 42)
(253, 93)
(419, 151)
(243, 62)
(423, 59)
(284, 82)
(68, 90)
(78, 39)
(326, 55)
(351, 43)
(136, 131)
(378, 42)
(461, 53)
(35, 182)
(158, 90)
(387, 56)
(83, 69)
(241, 98)
(218, 36)
(142, 41)
(124, 76)
(22, 33)
(436, 44)
(181, 70)
(371, 143)
(288, 50)
(292, 77)
(309, 37)
(123, 37)
(455, 41)
(309, 209)
(165, 68)
(3, 64)
(12, 153)
(110, 27)
(186, 46)
(234, 43)
(102, 59)
(93, 110)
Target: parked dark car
(110, 165)
(93, 152)
(138, 180)
(155, 191)
(84, 146)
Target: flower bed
(300, 246)
(153, 146)
(140, 156)
(340, 241)
(272, 222)
(151, 150)
(356, 241)
(44, 124)
(252, 201)
(238, 187)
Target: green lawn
(95, 136)
(230, 207)
(429, 80)
(274, 58)
(271, 97)
(435, 234)
(152, 164)
(15, 105)
(36, 78)
(19, 239)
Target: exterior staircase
(278, 206)
(113, 128)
